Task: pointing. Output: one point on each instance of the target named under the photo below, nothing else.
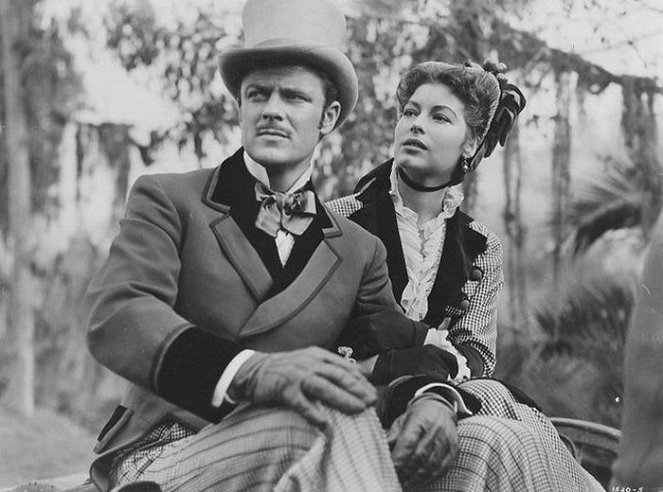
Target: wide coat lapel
(226, 184)
(225, 190)
(316, 273)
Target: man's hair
(477, 89)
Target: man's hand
(303, 380)
(423, 442)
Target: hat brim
(237, 63)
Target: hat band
(285, 43)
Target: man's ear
(238, 101)
(329, 118)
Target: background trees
(19, 393)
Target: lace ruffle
(422, 249)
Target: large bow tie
(292, 212)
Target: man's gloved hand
(423, 441)
(371, 334)
(303, 380)
(426, 359)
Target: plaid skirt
(506, 446)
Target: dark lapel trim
(379, 217)
(209, 192)
(462, 245)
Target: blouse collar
(451, 199)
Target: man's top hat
(293, 32)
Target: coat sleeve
(378, 323)
(474, 334)
(133, 328)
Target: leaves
(184, 58)
(608, 201)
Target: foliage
(386, 37)
(609, 201)
(586, 323)
(184, 56)
(50, 87)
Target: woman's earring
(465, 164)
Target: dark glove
(395, 397)
(372, 334)
(426, 359)
(302, 380)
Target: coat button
(476, 274)
(464, 304)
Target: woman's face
(431, 134)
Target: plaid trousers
(506, 446)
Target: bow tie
(292, 212)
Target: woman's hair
(477, 87)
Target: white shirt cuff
(457, 400)
(228, 376)
(439, 339)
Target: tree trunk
(515, 233)
(19, 394)
(470, 17)
(561, 175)
(640, 134)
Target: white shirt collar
(259, 172)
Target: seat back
(593, 445)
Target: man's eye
(297, 97)
(409, 112)
(254, 95)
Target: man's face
(282, 115)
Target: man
(638, 465)
(223, 285)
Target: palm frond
(590, 310)
(609, 201)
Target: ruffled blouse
(422, 251)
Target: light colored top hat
(293, 32)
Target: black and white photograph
(331, 245)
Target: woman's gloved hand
(426, 359)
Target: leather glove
(372, 334)
(423, 442)
(303, 380)
(426, 359)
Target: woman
(445, 267)
(446, 271)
